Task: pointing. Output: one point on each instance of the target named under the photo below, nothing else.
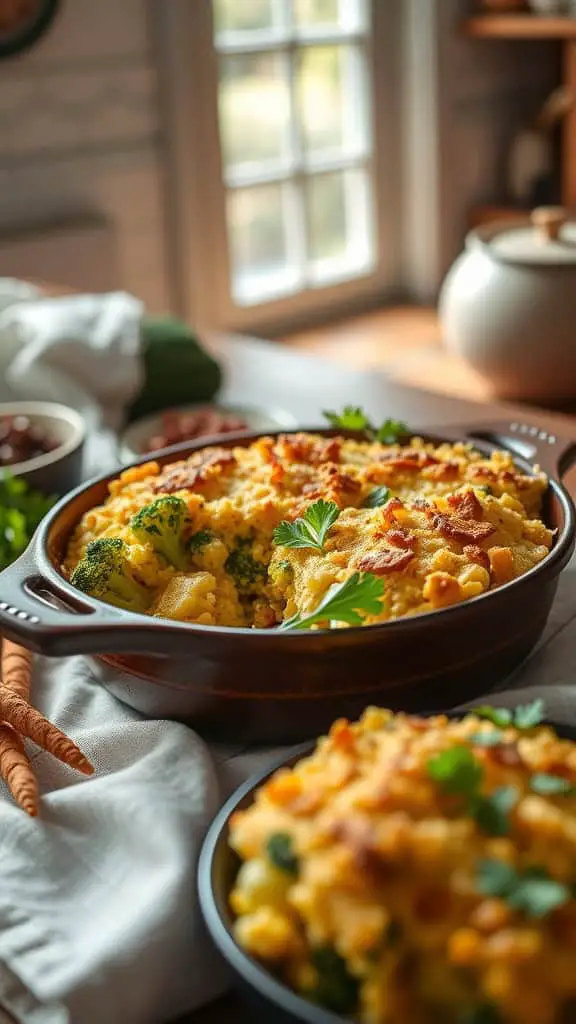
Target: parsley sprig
(459, 773)
(532, 892)
(353, 417)
(377, 497)
(551, 785)
(349, 602)
(525, 716)
(309, 530)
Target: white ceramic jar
(508, 306)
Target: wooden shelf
(519, 26)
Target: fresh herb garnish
(335, 988)
(525, 716)
(377, 497)
(456, 770)
(551, 785)
(491, 812)
(354, 418)
(21, 511)
(281, 853)
(487, 739)
(459, 773)
(344, 602)
(532, 892)
(390, 431)
(310, 530)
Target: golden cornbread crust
(457, 524)
(385, 867)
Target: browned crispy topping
(476, 554)
(466, 505)
(195, 471)
(389, 560)
(464, 530)
(307, 449)
(506, 754)
(389, 510)
(409, 458)
(332, 485)
(443, 471)
(401, 538)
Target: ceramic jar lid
(547, 238)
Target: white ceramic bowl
(60, 470)
(132, 442)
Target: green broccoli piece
(244, 569)
(104, 572)
(163, 524)
(199, 540)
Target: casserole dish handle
(555, 455)
(38, 613)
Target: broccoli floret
(244, 569)
(199, 540)
(104, 572)
(162, 524)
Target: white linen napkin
(98, 913)
(81, 350)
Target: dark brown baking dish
(270, 686)
(217, 869)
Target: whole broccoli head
(244, 569)
(105, 572)
(163, 524)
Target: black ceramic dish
(217, 869)
(270, 686)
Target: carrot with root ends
(17, 771)
(16, 668)
(27, 721)
(15, 765)
(17, 712)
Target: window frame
(195, 190)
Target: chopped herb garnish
(335, 988)
(491, 812)
(349, 602)
(281, 853)
(551, 785)
(284, 566)
(487, 739)
(376, 498)
(390, 431)
(525, 716)
(354, 418)
(310, 530)
(200, 539)
(501, 717)
(532, 892)
(459, 773)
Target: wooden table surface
(277, 376)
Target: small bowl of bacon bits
(42, 443)
(189, 423)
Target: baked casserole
(284, 529)
(418, 871)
